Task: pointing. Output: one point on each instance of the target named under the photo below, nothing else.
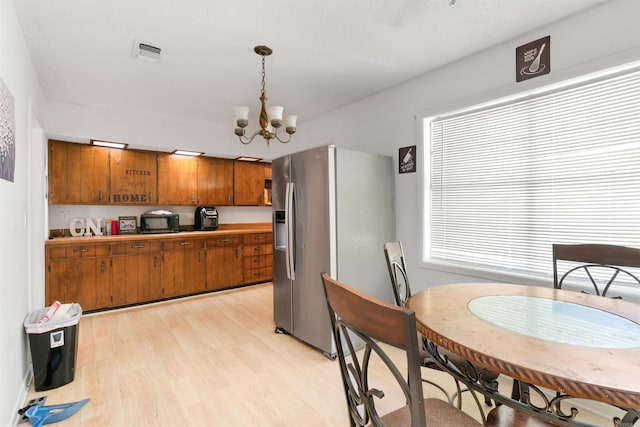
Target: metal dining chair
(401, 290)
(366, 330)
(596, 268)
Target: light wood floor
(210, 360)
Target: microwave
(159, 223)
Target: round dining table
(578, 344)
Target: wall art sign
(407, 159)
(533, 59)
(7, 134)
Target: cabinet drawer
(257, 250)
(258, 275)
(77, 251)
(257, 239)
(257, 261)
(223, 241)
(139, 247)
(181, 244)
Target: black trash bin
(54, 345)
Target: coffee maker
(206, 218)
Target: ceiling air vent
(146, 51)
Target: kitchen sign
(133, 177)
(533, 59)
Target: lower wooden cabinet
(79, 273)
(224, 262)
(183, 268)
(257, 253)
(119, 273)
(136, 272)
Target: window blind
(508, 180)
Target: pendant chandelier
(270, 117)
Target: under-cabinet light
(248, 159)
(108, 144)
(187, 153)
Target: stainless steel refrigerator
(332, 212)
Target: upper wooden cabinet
(215, 181)
(89, 175)
(78, 174)
(248, 184)
(133, 177)
(177, 180)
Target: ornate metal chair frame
(402, 291)
(596, 258)
(361, 320)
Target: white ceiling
(327, 53)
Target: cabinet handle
(192, 199)
(100, 194)
(257, 248)
(223, 240)
(155, 261)
(137, 246)
(185, 243)
(229, 198)
(102, 267)
(259, 237)
(256, 261)
(151, 196)
(236, 254)
(199, 256)
(80, 250)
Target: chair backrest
(397, 271)
(600, 266)
(354, 314)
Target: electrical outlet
(65, 215)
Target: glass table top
(557, 321)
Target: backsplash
(60, 216)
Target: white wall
(21, 203)
(601, 37)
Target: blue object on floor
(41, 414)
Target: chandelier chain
(263, 91)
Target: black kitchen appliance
(159, 222)
(206, 218)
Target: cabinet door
(137, 272)
(183, 267)
(80, 279)
(248, 183)
(177, 180)
(215, 181)
(133, 177)
(224, 262)
(78, 174)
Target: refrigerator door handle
(289, 215)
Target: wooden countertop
(223, 229)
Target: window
(509, 179)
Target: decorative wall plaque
(533, 59)
(7, 134)
(407, 159)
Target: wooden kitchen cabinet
(78, 174)
(183, 266)
(215, 182)
(224, 262)
(257, 251)
(248, 183)
(137, 272)
(177, 180)
(80, 274)
(133, 177)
